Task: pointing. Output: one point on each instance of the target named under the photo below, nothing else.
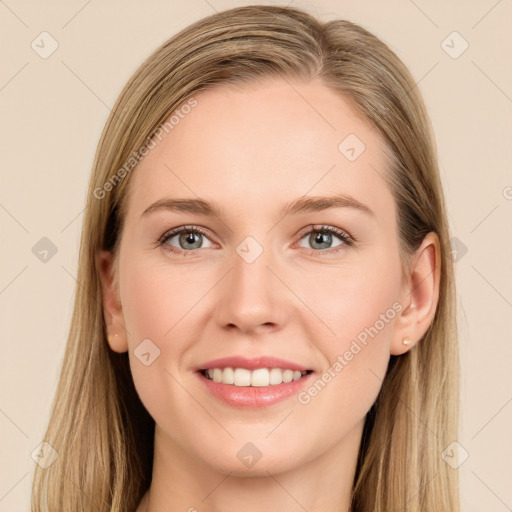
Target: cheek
(347, 302)
(154, 300)
(357, 309)
(162, 323)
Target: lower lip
(254, 396)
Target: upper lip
(252, 363)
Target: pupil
(322, 239)
(190, 238)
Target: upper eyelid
(180, 229)
(325, 227)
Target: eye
(320, 238)
(184, 239)
(187, 239)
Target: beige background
(53, 111)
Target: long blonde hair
(101, 431)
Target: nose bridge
(251, 264)
(251, 295)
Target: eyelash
(347, 239)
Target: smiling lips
(258, 382)
(259, 377)
(252, 363)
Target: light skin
(251, 150)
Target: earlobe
(420, 295)
(112, 309)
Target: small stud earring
(406, 341)
(409, 307)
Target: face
(318, 287)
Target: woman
(265, 313)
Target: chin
(262, 468)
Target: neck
(182, 482)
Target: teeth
(256, 378)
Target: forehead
(261, 145)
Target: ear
(419, 295)
(112, 309)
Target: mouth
(259, 377)
(252, 389)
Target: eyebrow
(305, 204)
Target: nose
(252, 299)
